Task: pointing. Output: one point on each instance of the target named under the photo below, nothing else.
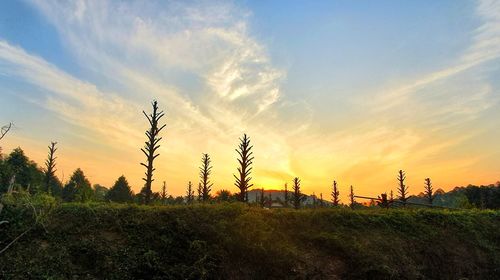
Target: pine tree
(151, 146)
(321, 203)
(402, 188)
(50, 167)
(392, 196)
(244, 170)
(297, 195)
(429, 191)
(351, 198)
(120, 192)
(335, 194)
(78, 188)
(205, 171)
(189, 193)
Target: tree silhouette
(200, 192)
(297, 195)
(262, 198)
(120, 192)
(189, 193)
(286, 195)
(78, 188)
(4, 130)
(391, 198)
(151, 146)
(335, 194)
(163, 194)
(383, 202)
(223, 196)
(428, 191)
(402, 188)
(244, 170)
(351, 198)
(50, 166)
(205, 171)
(321, 202)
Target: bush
(233, 241)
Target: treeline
(19, 174)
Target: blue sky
(345, 90)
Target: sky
(351, 91)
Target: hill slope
(239, 242)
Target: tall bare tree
(245, 160)
(205, 171)
(297, 195)
(428, 190)
(4, 130)
(151, 146)
(402, 188)
(335, 194)
(189, 193)
(351, 198)
(50, 166)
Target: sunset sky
(344, 90)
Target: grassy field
(231, 241)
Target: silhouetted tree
(50, 166)
(335, 194)
(151, 146)
(428, 191)
(287, 199)
(383, 202)
(351, 198)
(189, 193)
(314, 200)
(297, 195)
(78, 188)
(205, 171)
(223, 196)
(262, 198)
(20, 172)
(100, 192)
(392, 196)
(200, 192)
(163, 194)
(402, 188)
(322, 203)
(244, 170)
(120, 192)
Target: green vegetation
(235, 241)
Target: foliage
(233, 241)
(18, 171)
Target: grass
(232, 241)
